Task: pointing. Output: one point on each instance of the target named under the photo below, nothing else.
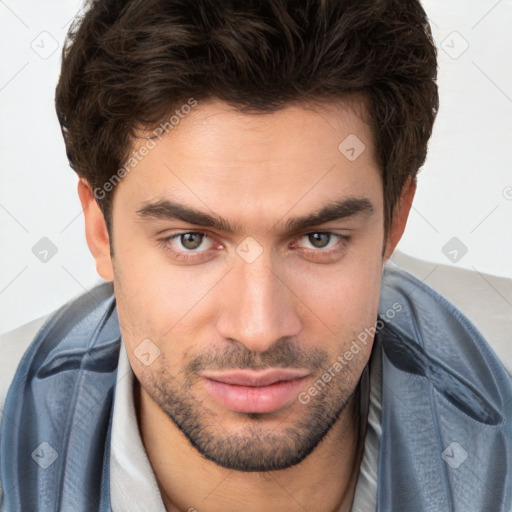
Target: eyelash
(190, 255)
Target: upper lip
(255, 378)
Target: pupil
(191, 240)
(314, 239)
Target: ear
(400, 216)
(96, 231)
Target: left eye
(320, 240)
(190, 241)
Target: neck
(325, 481)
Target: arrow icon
(454, 249)
(45, 455)
(147, 352)
(44, 44)
(249, 249)
(454, 45)
(449, 455)
(351, 147)
(454, 455)
(44, 250)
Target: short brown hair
(127, 64)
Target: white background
(464, 189)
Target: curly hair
(127, 64)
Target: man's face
(195, 298)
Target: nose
(258, 307)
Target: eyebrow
(168, 210)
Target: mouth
(251, 391)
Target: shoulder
(485, 300)
(13, 345)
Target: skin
(293, 306)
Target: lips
(255, 391)
(255, 378)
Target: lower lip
(252, 398)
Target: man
(246, 171)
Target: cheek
(345, 300)
(362, 297)
(161, 303)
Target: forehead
(308, 129)
(247, 165)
